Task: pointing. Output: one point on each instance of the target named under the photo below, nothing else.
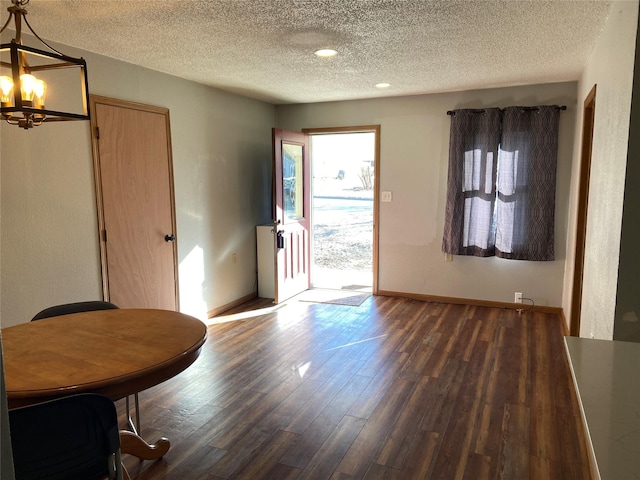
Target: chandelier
(28, 74)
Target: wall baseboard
(471, 301)
(423, 298)
(217, 311)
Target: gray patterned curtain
(473, 155)
(527, 183)
(509, 155)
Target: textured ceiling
(264, 48)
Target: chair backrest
(76, 307)
(70, 437)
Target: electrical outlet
(518, 297)
(386, 197)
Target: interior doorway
(344, 165)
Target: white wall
(413, 165)
(610, 66)
(222, 171)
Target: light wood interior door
(134, 182)
(292, 202)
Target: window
(501, 183)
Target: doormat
(333, 298)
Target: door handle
(279, 239)
(169, 237)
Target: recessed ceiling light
(325, 52)
(383, 85)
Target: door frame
(588, 120)
(376, 182)
(114, 102)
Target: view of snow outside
(342, 210)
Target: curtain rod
(482, 110)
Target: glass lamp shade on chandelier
(28, 74)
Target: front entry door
(292, 203)
(134, 182)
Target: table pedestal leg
(134, 445)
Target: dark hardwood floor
(392, 389)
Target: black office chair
(72, 438)
(89, 306)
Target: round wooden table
(110, 352)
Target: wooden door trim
(376, 182)
(588, 117)
(114, 102)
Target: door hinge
(98, 133)
(104, 235)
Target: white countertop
(607, 378)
